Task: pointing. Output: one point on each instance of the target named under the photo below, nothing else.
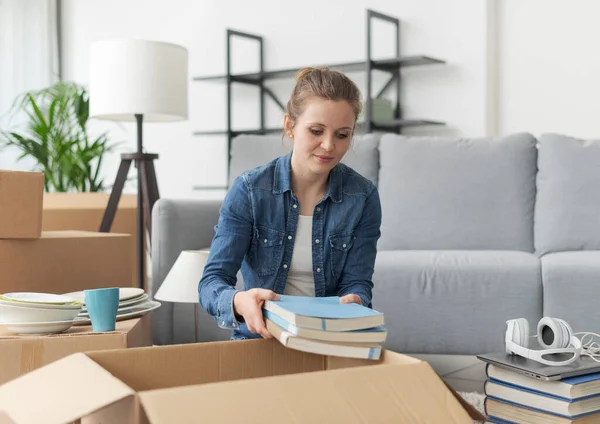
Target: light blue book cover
(294, 329)
(323, 307)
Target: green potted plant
(55, 134)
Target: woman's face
(321, 135)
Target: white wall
(549, 78)
(309, 32)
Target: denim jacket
(256, 230)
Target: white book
(348, 350)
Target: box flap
(62, 391)
(69, 234)
(381, 394)
(5, 419)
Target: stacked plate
(37, 313)
(133, 302)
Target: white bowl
(41, 305)
(24, 313)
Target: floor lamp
(141, 81)
(181, 283)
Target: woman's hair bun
(302, 73)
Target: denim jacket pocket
(266, 251)
(339, 245)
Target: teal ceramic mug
(102, 305)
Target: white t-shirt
(300, 280)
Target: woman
(303, 224)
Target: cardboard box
(20, 355)
(66, 261)
(249, 381)
(21, 195)
(84, 212)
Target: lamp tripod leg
(196, 322)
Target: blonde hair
(325, 83)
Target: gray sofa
(475, 231)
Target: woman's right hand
(248, 304)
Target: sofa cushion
(567, 213)
(571, 286)
(463, 193)
(250, 151)
(454, 302)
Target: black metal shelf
(235, 133)
(388, 65)
(394, 124)
(391, 66)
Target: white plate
(125, 293)
(123, 307)
(32, 297)
(136, 311)
(40, 305)
(37, 328)
(128, 303)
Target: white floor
(464, 373)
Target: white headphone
(553, 334)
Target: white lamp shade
(181, 283)
(129, 77)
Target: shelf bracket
(272, 95)
(387, 85)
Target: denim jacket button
(318, 209)
(295, 206)
(289, 237)
(318, 269)
(285, 265)
(317, 241)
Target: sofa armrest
(177, 225)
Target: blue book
(324, 313)
(571, 388)
(501, 412)
(371, 351)
(543, 402)
(370, 335)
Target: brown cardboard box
(249, 381)
(66, 261)
(21, 195)
(84, 211)
(19, 355)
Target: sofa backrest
(250, 151)
(458, 193)
(567, 212)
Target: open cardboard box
(22, 354)
(249, 381)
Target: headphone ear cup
(554, 333)
(567, 333)
(520, 332)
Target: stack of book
(512, 397)
(324, 326)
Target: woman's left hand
(351, 298)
